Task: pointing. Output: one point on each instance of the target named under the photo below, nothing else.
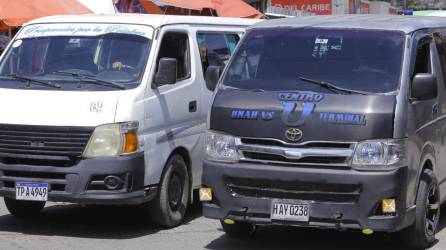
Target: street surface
(68, 226)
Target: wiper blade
(29, 80)
(236, 88)
(90, 79)
(334, 88)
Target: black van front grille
(273, 151)
(282, 159)
(42, 145)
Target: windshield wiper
(334, 88)
(236, 88)
(28, 80)
(90, 79)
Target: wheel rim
(432, 210)
(175, 191)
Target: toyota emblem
(293, 134)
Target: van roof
(147, 19)
(406, 24)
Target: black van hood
(319, 116)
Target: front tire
(238, 229)
(421, 234)
(169, 207)
(24, 209)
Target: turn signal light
(131, 142)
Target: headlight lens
(380, 153)
(112, 140)
(221, 147)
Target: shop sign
(312, 7)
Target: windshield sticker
(342, 118)
(321, 41)
(320, 47)
(323, 45)
(83, 30)
(244, 114)
(17, 43)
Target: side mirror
(424, 86)
(167, 71)
(212, 75)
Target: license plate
(31, 191)
(290, 211)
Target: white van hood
(58, 108)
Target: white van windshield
(107, 61)
(288, 59)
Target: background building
(418, 4)
(324, 7)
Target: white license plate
(290, 211)
(31, 191)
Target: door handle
(435, 110)
(192, 106)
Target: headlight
(112, 140)
(380, 153)
(221, 147)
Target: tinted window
(176, 45)
(441, 48)
(422, 60)
(216, 48)
(274, 59)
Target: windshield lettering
(82, 29)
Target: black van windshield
(110, 61)
(279, 59)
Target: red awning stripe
(14, 13)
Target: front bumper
(81, 183)
(339, 198)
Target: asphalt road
(68, 226)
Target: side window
(176, 45)
(422, 61)
(216, 48)
(246, 63)
(441, 48)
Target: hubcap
(432, 210)
(175, 191)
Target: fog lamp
(388, 205)
(205, 194)
(112, 182)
